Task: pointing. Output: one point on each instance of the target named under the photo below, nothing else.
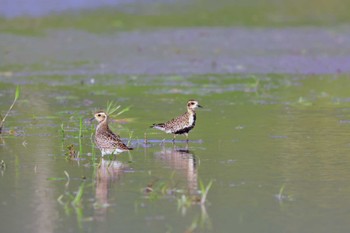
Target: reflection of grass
(77, 199)
(202, 221)
(2, 165)
(204, 191)
(184, 202)
(74, 201)
(157, 189)
(9, 110)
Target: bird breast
(192, 120)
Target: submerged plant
(9, 110)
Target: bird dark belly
(184, 130)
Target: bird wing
(177, 123)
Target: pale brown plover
(105, 139)
(181, 124)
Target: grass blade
(17, 93)
(204, 191)
(8, 111)
(77, 199)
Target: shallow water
(249, 142)
(272, 136)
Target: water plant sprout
(9, 110)
(112, 107)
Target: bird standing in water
(105, 139)
(181, 124)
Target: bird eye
(98, 115)
(192, 103)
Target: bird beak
(92, 119)
(200, 106)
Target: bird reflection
(107, 173)
(183, 161)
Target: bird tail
(158, 126)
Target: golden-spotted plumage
(105, 139)
(181, 124)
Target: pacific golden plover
(105, 139)
(181, 124)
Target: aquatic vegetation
(80, 135)
(201, 221)
(157, 189)
(281, 196)
(71, 153)
(130, 137)
(61, 178)
(93, 153)
(74, 201)
(10, 108)
(304, 102)
(204, 191)
(80, 127)
(184, 202)
(78, 196)
(62, 132)
(112, 109)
